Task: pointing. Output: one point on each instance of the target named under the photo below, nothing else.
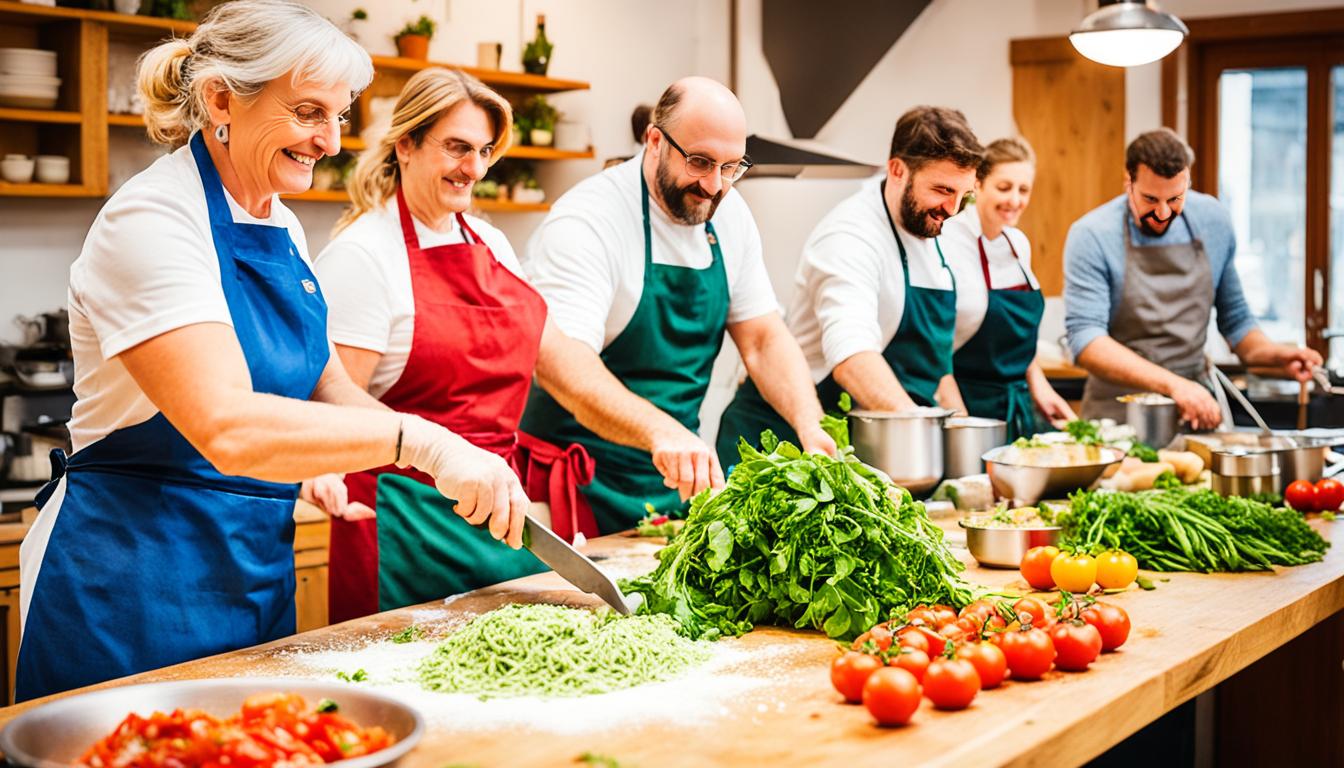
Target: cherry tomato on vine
(1111, 621)
(1029, 653)
(1035, 567)
(1077, 644)
(1116, 569)
(989, 662)
(1300, 495)
(850, 671)
(951, 683)
(1074, 572)
(891, 695)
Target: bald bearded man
(643, 268)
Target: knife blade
(571, 564)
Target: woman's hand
(330, 494)
(483, 484)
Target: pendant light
(1128, 33)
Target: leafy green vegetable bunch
(802, 540)
(1175, 529)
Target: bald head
(699, 117)
(700, 100)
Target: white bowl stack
(28, 78)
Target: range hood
(801, 158)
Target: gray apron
(1163, 315)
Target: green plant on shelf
(536, 121)
(170, 9)
(424, 27)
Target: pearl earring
(222, 133)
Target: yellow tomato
(1116, 569)
(1074, 572)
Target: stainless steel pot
(1300, 457)
(1005, 547)
(907, 445)
(1155, 418)
(1241, 472)
(966, 439)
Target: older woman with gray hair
(205, 386)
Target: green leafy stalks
(801, 540)
(1176, 529)
(1085, 432)
(1143, 452)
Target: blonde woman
(999, 301)
(204, 387)
(431, 314)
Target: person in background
(875, 301)
(1142, 274)
(639, 126)
(205, 390)
(644, 267)
(999, 301)
(430, 313)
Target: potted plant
(354, 27)
(537, 121)
(413, 39)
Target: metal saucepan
(1155, 418)
(1300, 456)
(907, 445)
(965, 441)
(1239, 472)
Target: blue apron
(155, 557)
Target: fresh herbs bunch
(1085, 432)
(803, 540)
(1175, 529)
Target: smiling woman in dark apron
(999, 301)
(204, 387)
(431, 314)
(1142, 274)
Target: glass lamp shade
(1127, 34)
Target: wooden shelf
(321, 196)
(352, 144)
(11, 11)
(11, 114)
(524, 152)
(478, 204)
(126, 121)
(493, 77)
(34, 189)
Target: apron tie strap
(555, 474)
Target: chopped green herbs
(327, 705)
(801, 540)
(1085, 432)
(408, 635)
(358, 676)
(1143, 452)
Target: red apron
(477, 331)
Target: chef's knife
(571, 563)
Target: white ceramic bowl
(17, 169)
(53, 169)
(17, 80)
(28, 61)
(29, 97)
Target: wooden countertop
(1189, 634)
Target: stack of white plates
(28, 78)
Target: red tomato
(912, 660)
(1329, 494)
(951, 683)
(1040, 615)
(942, 616)
(989, 662)
(1111, 621)
(891, 695)
(1035, 567)
(1300, 495)
(937, 642)
(953, 631)
(921, 616)
(1029, 653)
(880, 636)
(850, 671)
(1077, 644)
(913, 638)
(981, 608)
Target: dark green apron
(991, 367)
(664, 355)
(920, 354)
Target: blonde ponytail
(427, 96)
(162, 84)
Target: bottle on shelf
(537, 54)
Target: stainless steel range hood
(801, 158)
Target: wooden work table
(1190, 634)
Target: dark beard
(925, 223)
(674, 197)
(1146, 228)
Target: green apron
(991, 367)
(920, 354)
(452, 556)
(664, 355)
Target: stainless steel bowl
(1240, 472)
(965, 440)
(1300, 457)
(54, 735)
(907, 445)
(1155, 418)
(1004, 547)
(1025, 484)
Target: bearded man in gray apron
(1142, 273)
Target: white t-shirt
(365, 276)
(850, 287)
(148, 266)
(959, 238)
(587, 257)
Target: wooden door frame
(1313, 39)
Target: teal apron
(991, 367)
(664, 355)
(920, 354)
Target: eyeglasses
(699, 165)
(310, 116)
(460, 149)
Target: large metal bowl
(54, 735)
(1005, 547)
(1024, 484)
(907, 445)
